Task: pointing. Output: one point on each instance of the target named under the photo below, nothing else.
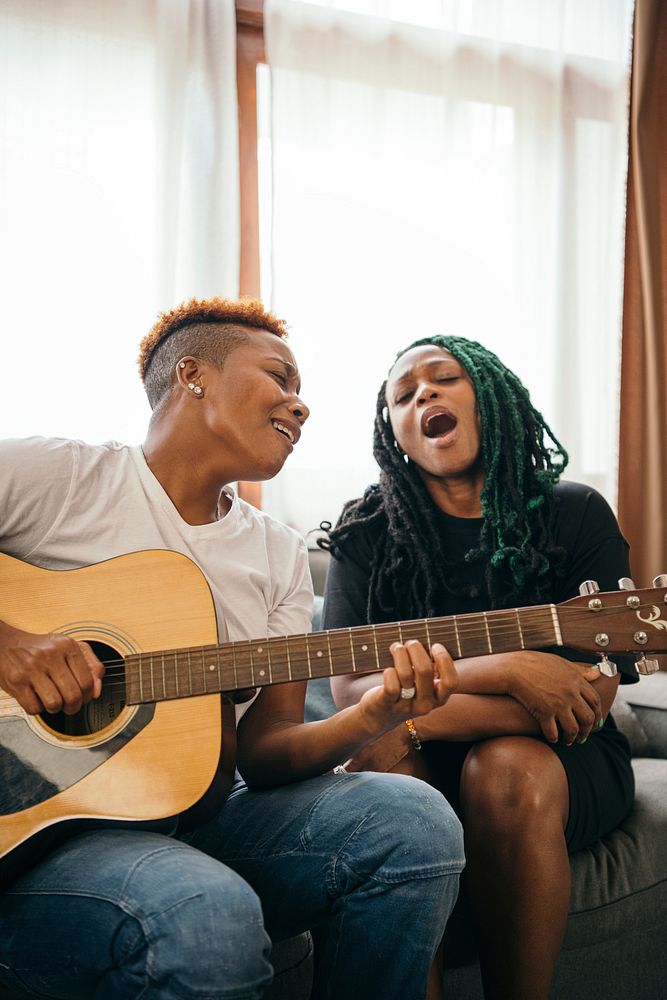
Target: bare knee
(512, 785)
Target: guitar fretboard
(231, 666)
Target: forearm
(486, 703)
(480, 716)
(477, 675)
(276, 746)
(493, 675)
(476, 717)
(291, 751)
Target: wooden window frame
(249, 54)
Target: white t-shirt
(65, 504)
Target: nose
(426, 392)
(299, 410)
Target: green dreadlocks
(516, 544)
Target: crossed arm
(524, 693)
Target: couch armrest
(640, 711)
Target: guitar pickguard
(33, 770)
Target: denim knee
(130, 913)
(403, 828)
(201, 936)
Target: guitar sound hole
(102, 711)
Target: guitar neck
(233, 666)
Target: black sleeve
(596, 550)
(589, 532)
(346, 590)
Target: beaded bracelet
(414, 739)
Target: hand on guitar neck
(51, 673)
(431, 681)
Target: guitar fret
(174, 662)
(307, 644)
(164, 678)
(189, 670)
(331, 669)
(457, 636)
(208, 668)
(354, 661)
(375, 643)
(258, 652)
(518, 622)
(368, 661)
(252, 664)
(289, 661)
(268, 655)
(556, 623)
(236, 675)
(319, 653)
(217, 660)
(488, 636)
(428, 635)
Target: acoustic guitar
(159, 743)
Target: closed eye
(280, 377)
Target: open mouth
(284, 430)
(438, 422)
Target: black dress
(599, 774)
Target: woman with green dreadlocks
(469, 515)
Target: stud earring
(191, 386)
(198, 390)
(181, 364)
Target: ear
(187, 370)
(190, 375)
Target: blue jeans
(120, 914)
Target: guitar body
(111, 762)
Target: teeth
(285, 430)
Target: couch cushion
(293, 969)
(647, 703)
(622, 879)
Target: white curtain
(118, 197)
(445, 167)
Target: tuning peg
(646, 666)
(625, 583)
(588, 587)
(607, 666)
(660, 581)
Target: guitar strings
(342, 636)
(338, 640)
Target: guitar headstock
(627, 620)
